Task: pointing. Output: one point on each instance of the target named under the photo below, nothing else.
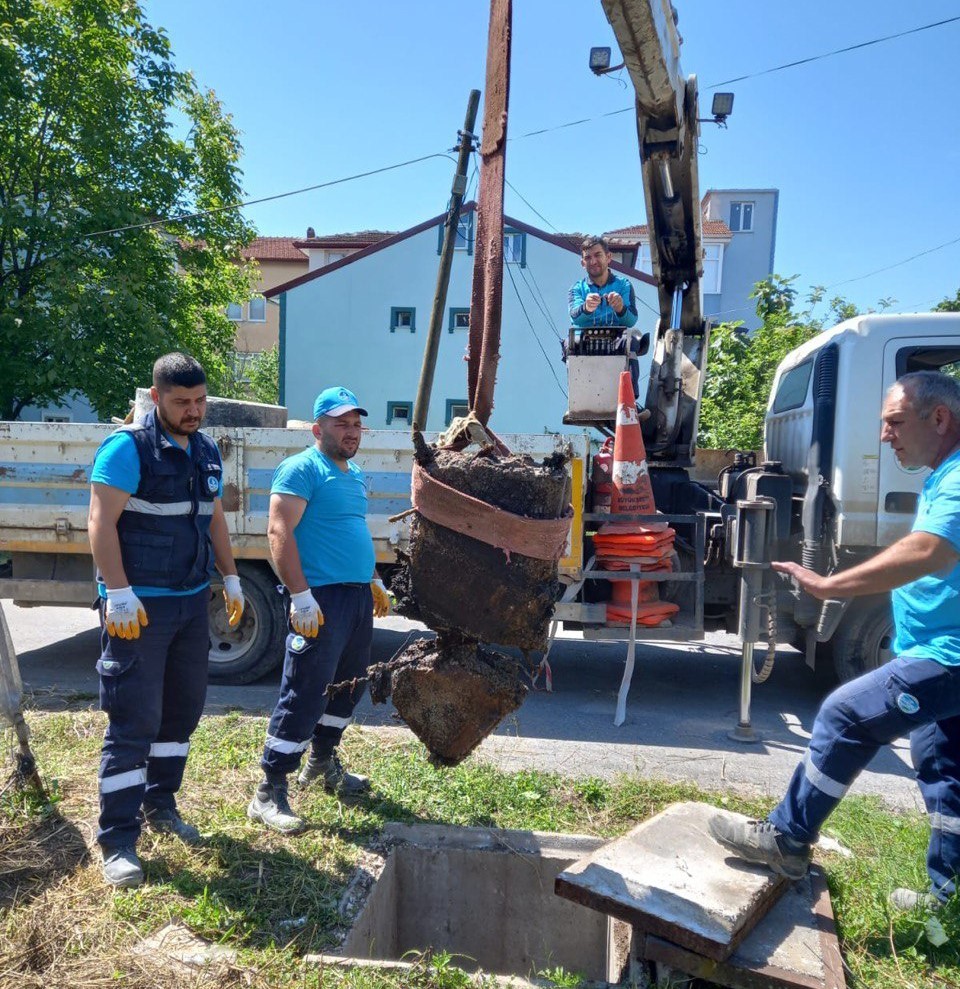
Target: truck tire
(255, 647)
(864, 640)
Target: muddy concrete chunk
(451, 694)
(452, 581)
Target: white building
(362, 322)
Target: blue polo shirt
(926, 612)
(332, 536)
(117, 464)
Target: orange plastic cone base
(632, 492)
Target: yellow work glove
(124, 613)
(233, 598)
(382, 599)
(305, 614)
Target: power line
(265, 199)
(534, 332)
(836, 51)
(751, 75)
(896, 264)
(543, 311)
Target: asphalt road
(682, 704)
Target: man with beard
(606, 299)
(156, 529)
(323, 551)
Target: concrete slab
(669, 878)
(793, 947)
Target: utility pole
(459, 188)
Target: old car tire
(864, 640)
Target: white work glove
(124, 614)
(382, 601)
(305, 614)
(233, 598)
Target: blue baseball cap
(335, 402)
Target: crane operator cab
(595, 357)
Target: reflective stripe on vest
(167, 508)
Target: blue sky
(864, 146)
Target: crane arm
(667, 130)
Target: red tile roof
(631, 235)
(356, 240)
(274, 249)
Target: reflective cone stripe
(632, 492)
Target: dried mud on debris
(451, 581)
(451, 693)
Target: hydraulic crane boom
(667, 130)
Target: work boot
(121, 867)
(271, 807)
(761, 842)
(904, 900)
(167, 820)
(335, 778)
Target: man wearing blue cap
(323, 551)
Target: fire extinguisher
(601, 477)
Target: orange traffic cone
(632, 492)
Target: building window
(399, 413)
(459, 319)
(464, 238)
(48, 417)
(456, 407)
(332, 256)
(235, 312)
(515, 247)
(712, 269)
(741, 217)
(624, 257)
(403, 318)
(257, 309)
(644, 261)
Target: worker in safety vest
(156, 530)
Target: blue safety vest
(164, 529)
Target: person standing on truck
(605, 298)
(156, 529)
(917, 692)
(323, 551)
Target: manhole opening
(486, 897)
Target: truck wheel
(252, 649)
(864, 639)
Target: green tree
(263, 373)
(948, 304)
(89, 295)
(740, 367)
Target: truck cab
(850, 496)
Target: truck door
(899, 486)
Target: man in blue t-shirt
(323, 551)
(156, 530)
(917, 692)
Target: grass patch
(273, 899)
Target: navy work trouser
(919, 697)
(340, 652)
(152, 690)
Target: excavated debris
(451, 692)
(454, 582)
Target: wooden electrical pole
(422, 405)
